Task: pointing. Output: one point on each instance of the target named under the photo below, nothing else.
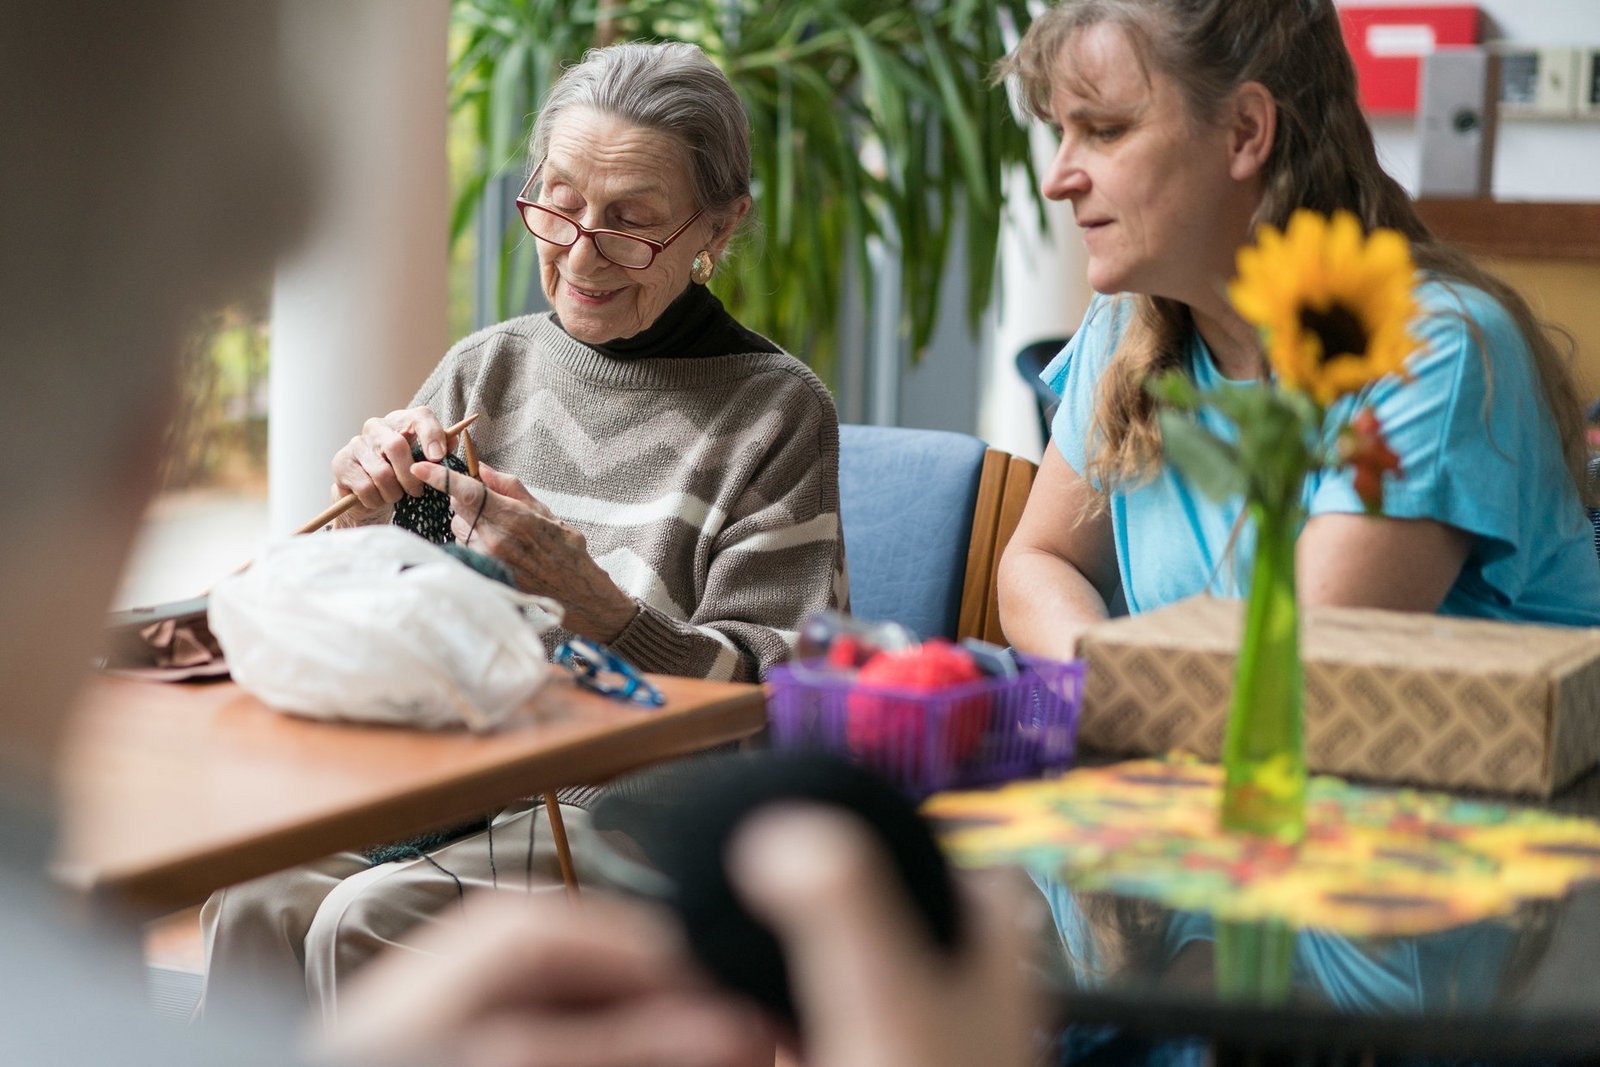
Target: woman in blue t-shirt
(1184, 126)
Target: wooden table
(172, 791)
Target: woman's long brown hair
(1323, 158)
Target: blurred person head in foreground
(151, 173)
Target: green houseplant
(869, 121)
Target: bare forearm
(1046, 603)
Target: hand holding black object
(609, 983)
(872, 990)
(687, 823)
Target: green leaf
(1307, 410)
(785, 139)
(466, 205)
(1242, 405)
(956, 118)
(508, 104)
(1173, 388)
(1210, 463)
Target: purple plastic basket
(984, 732)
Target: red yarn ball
(847, 652)
(891, 733)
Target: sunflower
(1333, 305)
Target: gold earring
(700, 272)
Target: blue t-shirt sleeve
(1459, 425)
(1074, 375)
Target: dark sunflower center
(1339, 329)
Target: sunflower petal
(1322, 283)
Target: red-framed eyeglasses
(624, 249)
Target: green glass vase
(1263, 751)
(1254, 962)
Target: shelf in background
(1517, 228)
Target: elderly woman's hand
(375, 466)
(500, 518)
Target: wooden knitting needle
(471, 451)
(345, 503)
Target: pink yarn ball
(890, 733)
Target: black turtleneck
(694, 325)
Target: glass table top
(1522, 987)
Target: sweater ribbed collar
(695, 342)
(694, 325)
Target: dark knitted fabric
(428, 516)
(423, 843)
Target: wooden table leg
(558, 830)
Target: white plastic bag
(375, 624)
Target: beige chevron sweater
(706, 487)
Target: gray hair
(671, 87)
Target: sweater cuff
(654, 642)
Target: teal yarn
(487, 566)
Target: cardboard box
(1391, 696)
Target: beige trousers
(315, 926)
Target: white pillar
(1043, 292)
(359, 312)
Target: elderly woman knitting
(666, 474)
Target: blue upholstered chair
(907, 498)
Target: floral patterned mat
(1375, 861)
